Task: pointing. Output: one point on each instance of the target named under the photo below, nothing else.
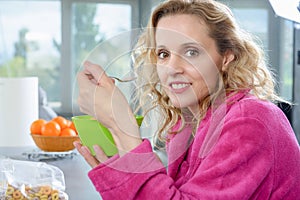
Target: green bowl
(91, 132)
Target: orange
(36, 126)
(51, 128)
(63, 122)
(72, 126)
(69, 123)
(67, 132)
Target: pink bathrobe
(245, 149)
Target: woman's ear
(228, 57)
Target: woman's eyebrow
(160, 47)
(192, 44)
(182, 46)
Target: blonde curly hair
(248, 70)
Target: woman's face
(187, 60)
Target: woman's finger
(86, 154)
(90, 77)
(100, 155)
(89, 158)
(85, 79)
(97, 72)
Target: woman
(225, 138)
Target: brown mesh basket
(54, 143)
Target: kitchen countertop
(75, 169)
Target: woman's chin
(180, 104)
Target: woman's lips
(179, 87)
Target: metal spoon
(123, 80)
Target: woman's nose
(175, 64)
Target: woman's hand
(96, 91)
(100, 98)
(93, 161)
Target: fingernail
(95, 147)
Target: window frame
(296, 81)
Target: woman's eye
(192, 52)
(162, 54)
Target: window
(286, 60)
(257, 26)
(94, 25)
(50, 39)
(30, 38)
(275, 35)
(103, 38)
